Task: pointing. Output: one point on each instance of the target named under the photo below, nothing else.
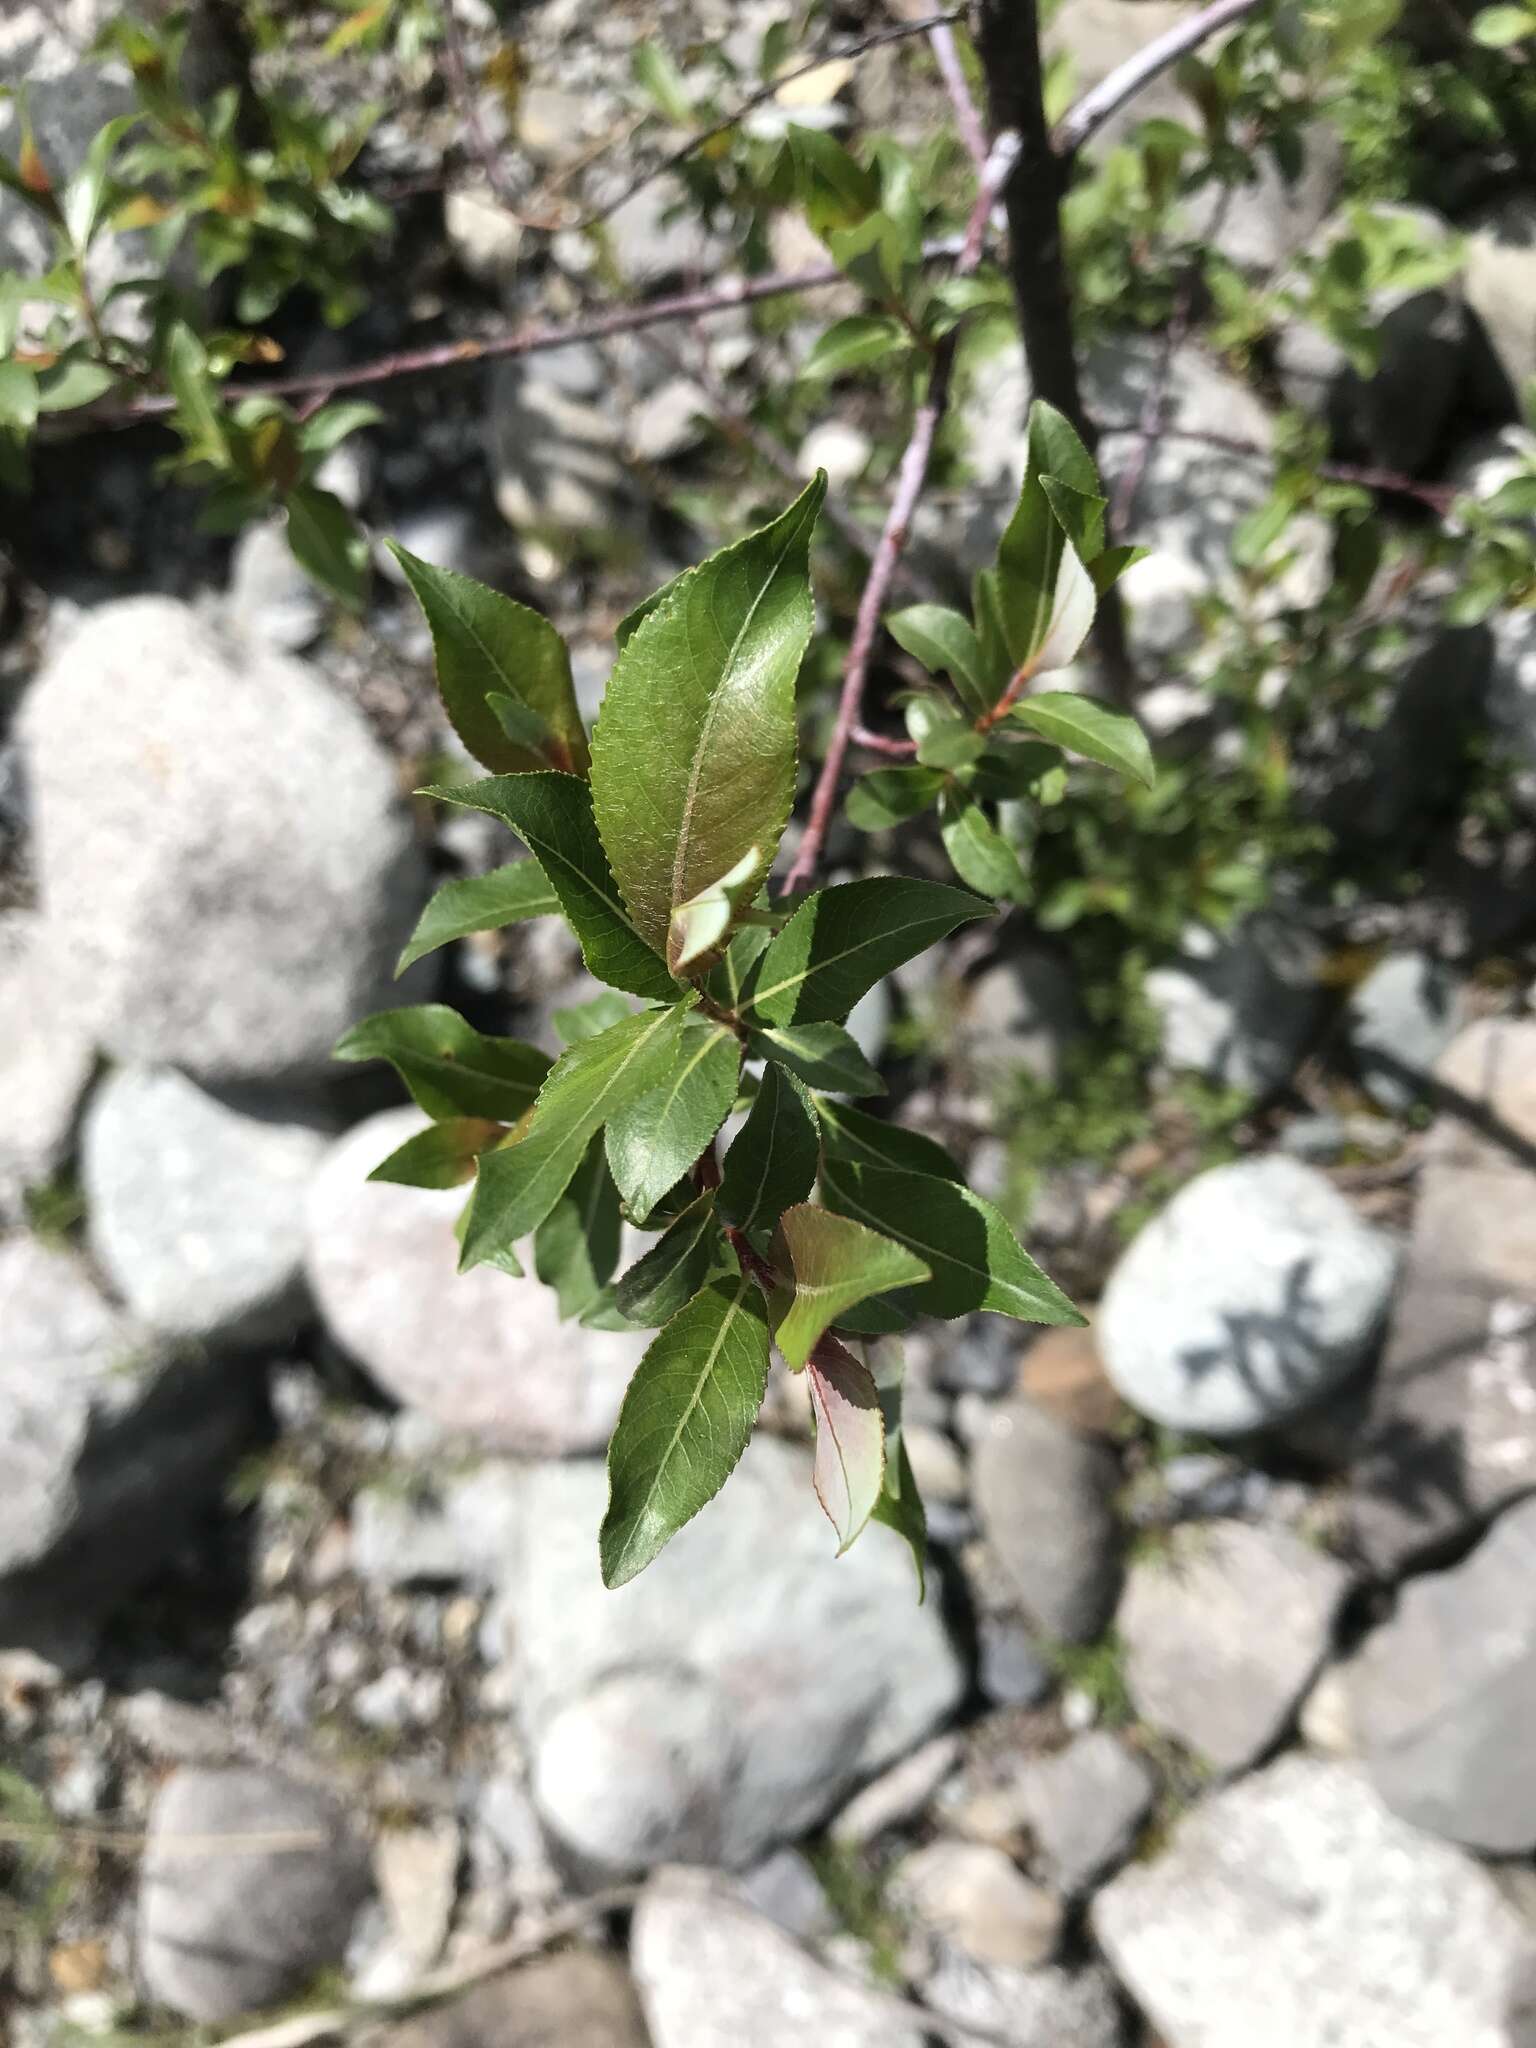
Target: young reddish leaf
(685, 1422)
(849, 1465)
(693, 762)
(900, 1506)
(834, 1263)
(480, 903)
(518, 1184)
(449, 1067)
(975, 1259)
(552, 815)
(772, 1162)
(488, 645)
(652, 1142)
(845, 939)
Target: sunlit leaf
(653, 1141)
(480, 903)
(451, 1069)
(832, 1262)
(772, 1161)
(848, 1469)
(845, 939)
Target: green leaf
(1011, 768)
(576, 1247)
(327, 428)
(889, 796)
(987, 605)
(772, 1160)
(845, 939)
(80, 205)
(1107, 568)
(699, 925)
(693, 758)
(73, 382)
(863, 1140)
(198, 418)
(946, 644)
(854, 343)
(981, 855)
(659, 76)
(327, 543)
(480, 903)
(684, 1424)
(848, 1469)
(1497, 27)
(486, 644)
(822, 1055)
(949, 743)
(652, 1142)
(833, 187)
(443, 1156)
(676, 1266)
(1080, 515)
(518, 1184)
(18, 397)
(579, 1021)
(1041, 585)
(552, 815)
(900, 1506)
(975, 1259)
(1086, 727)
(450, 1068)
(835, 1262)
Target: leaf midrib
(822, 966)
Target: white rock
(271, 602)
(222, 852)
(482, 1353)
(196, 1207)
(46, 1059)
(1293, 1911)
(1238, 1009)
(975, 1898)
(483, 235)
(1251, 1296)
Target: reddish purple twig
(1106, 99)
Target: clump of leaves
(823, 1230)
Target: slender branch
(1438, 497)
(877, 743)
(910, 477)
(463, 95)
(946, 55)
(1134, 76)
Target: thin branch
(877, 743)
(463, 95)
(946, 55)
(1134, 76)
(1438, 497)
(910, 477)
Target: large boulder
(1239, 1010)
(196, 1206)
(46, 1060)
(1443, 1695)
(733, 1694)
(249, 1885)
(109, 1446)
(1292, 1910)
(714, 1974)
(482, 1353)
(1451, 1432)
(222, 852)
(1248, 1299)
(1400, 1019)
(1196, 1666)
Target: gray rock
(1015, 1017)
(196, 1208)
(657, 234)
(714, 1974)
(437, 1530)
(46, 1059)
(480, 1352)
(898, 1797)
(577, 1999)
(1400, 1020)
(483, 235)
(1043, 1497)
(1443, 1695)
(667, 421)
(1292, 1910)
(1451, 1432)
(1009, 1667)
(1045, 2008)
(221, 850)
(1248, 1299)
(109, 1448)
(271, 602)
(1085, 1805)
(558, 470)
(1240, 1010)
(1197, 1666)
(972, 1897)
(788, 1892)
(797, 1681)
(225, 1924)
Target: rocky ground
(1215, 1727)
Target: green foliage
(657, 863)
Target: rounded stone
(1247, 1300)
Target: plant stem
(1137, 73)
(910, 477)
